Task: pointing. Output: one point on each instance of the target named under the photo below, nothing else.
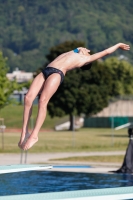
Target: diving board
(21, 168)
(120, 193)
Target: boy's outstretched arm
(108, 51)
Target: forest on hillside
(29, 28)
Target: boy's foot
(30, 142)
(23, 140)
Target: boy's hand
(124, 46)
(83, 51)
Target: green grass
(83, 140)
(86, 140)
(13, 116)
(110, 159)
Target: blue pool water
(49, 181)
(72, 166)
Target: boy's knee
(28, 100)
(43, 102)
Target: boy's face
(84, 51)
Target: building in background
(117, 113)
(20, 76)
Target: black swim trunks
(51, 70)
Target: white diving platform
(21, 168)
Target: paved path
(31, 158)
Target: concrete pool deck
(45, 158)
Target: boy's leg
(29, 98)
(50, 87)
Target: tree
(28, 41)
(76, 95)
(6, 86)
(67, 91)
(122, 76)
(88, 91)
